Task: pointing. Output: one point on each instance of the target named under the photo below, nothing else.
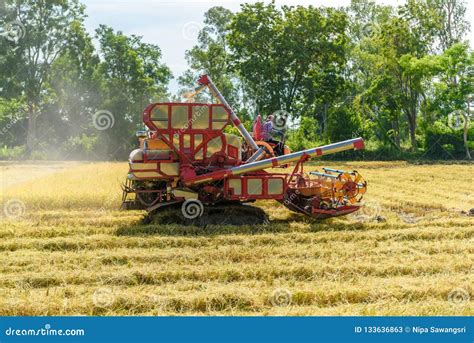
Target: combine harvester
(186, 160)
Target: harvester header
(185, 157)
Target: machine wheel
(269, 153)
(148, 193)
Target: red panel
(359, 144)
(203, 80)
(215, 175)
(207, 133)
(233, 151)
(257, 128)
(146, 116)
(264, 177)
(151, 126)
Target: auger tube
(355, 144)
(205, 80)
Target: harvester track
(222, 214)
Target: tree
(365, 16)
(304, 136)
(392, 77)
(11, 120)
(368, 78)
(132, 77)
(290, 59)
(47, 25)
(457, 64)
(75, 80)
(211, 56)
(389, 47)
(443, 19)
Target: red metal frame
(264, 176)
(207, 133)
(170, 130)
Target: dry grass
(73, 253)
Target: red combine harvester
(186, 159)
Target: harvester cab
(185, 158)
(271, 147)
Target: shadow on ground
(172, 224)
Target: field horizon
(66, 249)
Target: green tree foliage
(131, 77)
(12, 121)
(393, 91)
(75, 82)
(46, 26)
(211, 56)
(343, 123)
(54, 81)
(453, 87)
(444, 20)
(401, 77)
(396, 64)
(290, 58)
(305, 135)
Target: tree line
(401, 77)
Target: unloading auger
(186, 158)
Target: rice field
(66, 249)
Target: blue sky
(173, 25)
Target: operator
(267, 131)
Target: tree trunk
(412, 127)
(31, 132)
(396, 129)
(413, 137)
(465, 131)
(466, 145)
